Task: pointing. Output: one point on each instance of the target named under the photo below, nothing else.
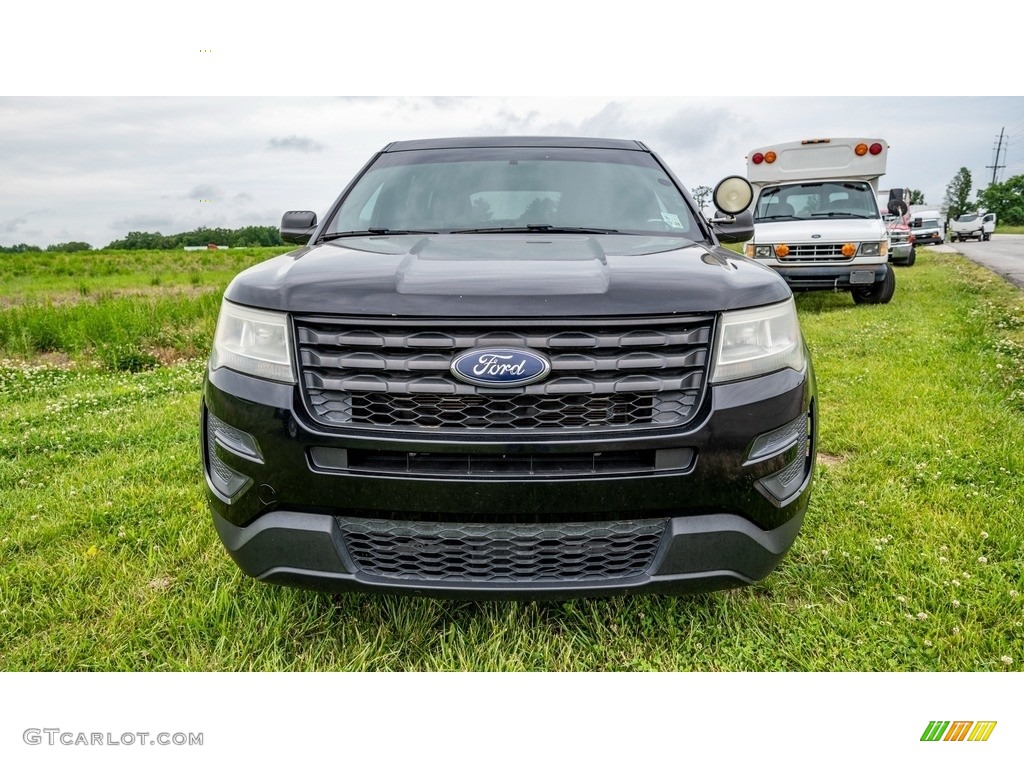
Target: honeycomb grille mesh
(601, 379)
(454, 552)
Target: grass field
(910, 557)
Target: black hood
(508, 275)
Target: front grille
(602, 376)
(816, 252)
(490, 552)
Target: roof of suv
(515, 141)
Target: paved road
(1003, 254)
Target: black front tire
(879, 293)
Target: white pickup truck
(967, 225)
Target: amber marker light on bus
(769, 156)
(849, 249)
(782, 250)
(861, 149)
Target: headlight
(253, 341)
(874, 249)
(753, 342)
(762, 251)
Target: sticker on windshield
(672, 220)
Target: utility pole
(999, 147)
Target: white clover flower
(955, 583)
(1007, 660)
(983, 560)
(956, 603)
(922, 616)
(927, 643)
(901, 599)
(1014, 593)
(984, 535)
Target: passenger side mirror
(897, 205)
(298, 226)
(733, 229)
(733, 194)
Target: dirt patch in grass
(830, 460)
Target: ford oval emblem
(500, 367)
(815, 237)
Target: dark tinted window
(446, 190)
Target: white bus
(816, 220)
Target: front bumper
(285, 495)
(814, 277)
(899, 253)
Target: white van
(978, 225)
(927, 227)
(816, 220)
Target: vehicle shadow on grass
(642, 632)
(824, 302)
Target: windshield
(967, 217)
(795, 202)
(458, 190)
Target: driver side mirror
(298, 226)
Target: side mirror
(733, 194)
(897, 206)
(733, 229)
(298, 226)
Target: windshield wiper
(836, 214)
(779, 217)
(365, 232)
(547, 228)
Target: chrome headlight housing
(874, 249)
(253, 341)
(753, 342)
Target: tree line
(244, 237)
(1004, 199)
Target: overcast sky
(94, 169)
(699, 85)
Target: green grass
(1007, 229)
(124, 309)
(910, 557)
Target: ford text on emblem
(500, 367)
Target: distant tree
(702, 196)
(245, 237)
(20, 248)
(482, 209)
(71, 247)
(916, 197)
(1005, 200)
(539, 211)
(958, 192)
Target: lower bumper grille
(474, 552)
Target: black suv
(511, 367)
